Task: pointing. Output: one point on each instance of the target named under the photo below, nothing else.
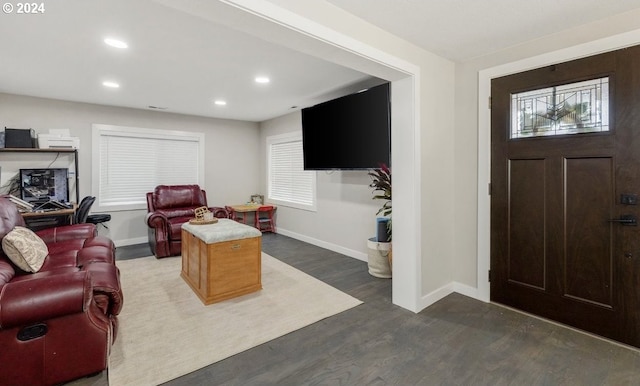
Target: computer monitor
(41, 185)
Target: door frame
(302, 34)
(599, 46)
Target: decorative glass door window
(581, 107)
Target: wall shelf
(53, 150)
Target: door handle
(626, 219)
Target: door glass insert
(574, 108)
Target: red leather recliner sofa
(59, 323)
(169, 207)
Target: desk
(248, 208)
(244, 208)
(45, 219)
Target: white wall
(231, 160)
(471, 257)
(346, 213)
(423, 146)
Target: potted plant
(380, 254)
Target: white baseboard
(446, 290)
(425, 301)
(133, 241)
(466, 290)
(434, 296)
(324, 244)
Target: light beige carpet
(165, 331)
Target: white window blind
(288, 183)
(134, 161)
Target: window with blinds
(288, 184)
(129, 162)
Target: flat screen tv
(41, 185)
(348, 133)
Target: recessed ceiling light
(116, 43)
(110, 84)
(262, 79)
(220, 102)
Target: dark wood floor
(457, 341)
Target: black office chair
(83, 210)
(82, 214)
(99, 219)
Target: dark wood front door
(563, 242)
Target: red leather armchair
(59, 323)
(169, 207)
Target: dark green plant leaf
(381, 184)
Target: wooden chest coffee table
(222, 260)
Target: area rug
(165, 330)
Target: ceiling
(464, 29)
(182, 62)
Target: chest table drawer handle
(235, 246)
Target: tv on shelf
(41, 185)
(348, 133)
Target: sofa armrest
(158, 221)
(36, 300)
(158, 229)
(68, 232)
(105, 283)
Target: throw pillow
(25, 249)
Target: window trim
(101, 130)
(281, 138)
